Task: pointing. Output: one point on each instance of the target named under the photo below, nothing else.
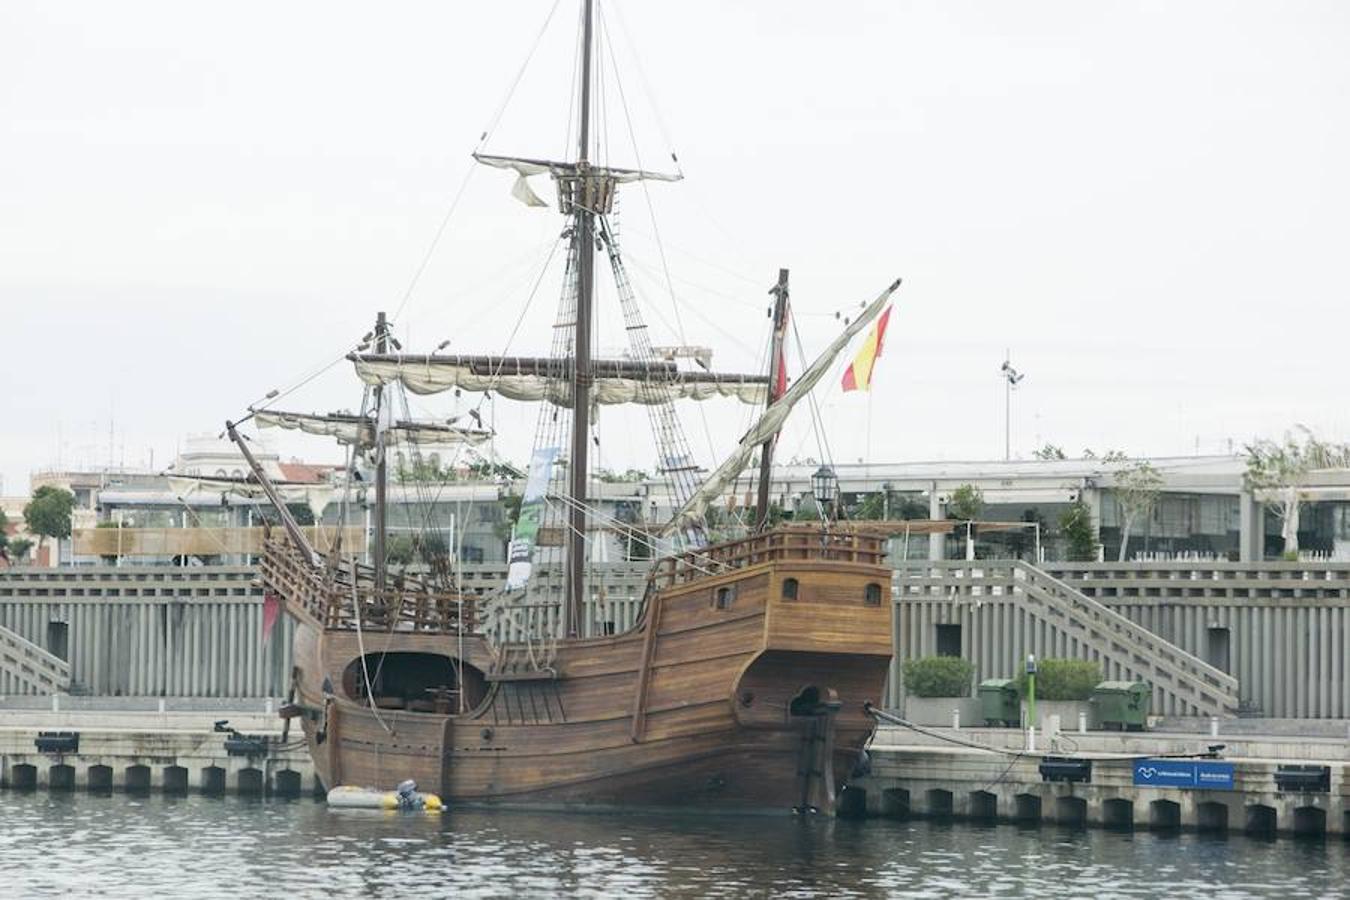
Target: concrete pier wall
(176, 753)
(1282, 629)
(197, 632)
(931, 779)
(150, 631)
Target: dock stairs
(36, 670)
(1037, 613)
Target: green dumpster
(1000, 703)
(1122, 705)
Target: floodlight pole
(1010, 378)
(1007, 416)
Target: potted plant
(935, 686)
(1063, 688)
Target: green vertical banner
(525, 533)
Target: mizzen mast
(777, 383)
(586, 191)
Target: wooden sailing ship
(742, 684)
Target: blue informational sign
(1184, 773)
(1214, 776)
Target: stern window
(789, 589)
(724, 597)
(872, 594)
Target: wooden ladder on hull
(815, 758)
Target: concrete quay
(171, 751)
(913, 774)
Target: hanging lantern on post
(825, 489)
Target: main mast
(381, 524)
(584, 235)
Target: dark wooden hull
(743, 700)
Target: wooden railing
(345, 599)
(786, 544)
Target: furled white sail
(358, 430)
(527, 167)
(524, 168)
(770, 423)
(433, 376)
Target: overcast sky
(1146, 202)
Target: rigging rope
(651, 214)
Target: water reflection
(192, 846)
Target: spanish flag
(858, 376)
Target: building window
(724, 596)
(789, 589)
(948, 640)
(872, 594)
(1217, 651)
(58, 640)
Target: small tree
(1048, 452)
(109, 558)
(871, 509)
(966, 503)
(48, 513)
(18, 549)
(399, 550)
(1075, 524)
(4, 532)
(1281, 470)
(1137, 491)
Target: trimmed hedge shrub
(1063, 679)
(938, 676)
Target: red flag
(271, 610)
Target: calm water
(83, 845)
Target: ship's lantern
(825, 486)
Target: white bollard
(268, 709)
(956, 719)
(161, 706)
(1082, 723)
(1031, 738)
(1213, 726)
(56, 702)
